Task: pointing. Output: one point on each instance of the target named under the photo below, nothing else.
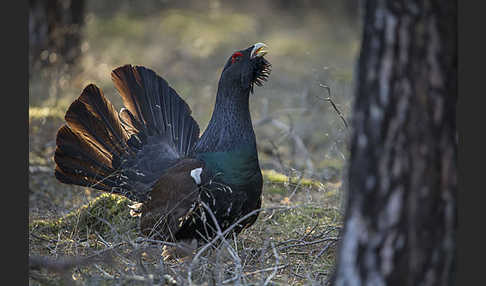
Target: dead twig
(222, 235)
(275, 268)
(323, 250)
(332, 103)
(306, 243)
(282, 266)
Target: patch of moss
(307, 215)
(291, 230)
(273, 176)
(277, 189)
(105, 215)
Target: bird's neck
(230, 127)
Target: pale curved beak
(259, 50)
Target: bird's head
(248, 67)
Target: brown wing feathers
(173, 196)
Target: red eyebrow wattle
(236, 55)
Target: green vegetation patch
(107, 215)
(273, 176)
(304, 235)
(296, 218)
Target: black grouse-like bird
(151, 151)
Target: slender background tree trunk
(55, 29)
(400, 220)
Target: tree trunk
(401, 217)
(55, 27)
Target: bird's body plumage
(149, 150)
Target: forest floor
(79, 235)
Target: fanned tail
(167, 115)
(124, 153)
(92, 145)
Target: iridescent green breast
(237, 167)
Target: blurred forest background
(187, 42)
(299, 134)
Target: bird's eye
(236, 57)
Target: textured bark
(401, 215)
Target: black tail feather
(100, 107)
(156, 106)
(78, 146)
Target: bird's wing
(173, 200)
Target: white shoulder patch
(196, 175)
